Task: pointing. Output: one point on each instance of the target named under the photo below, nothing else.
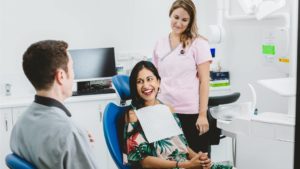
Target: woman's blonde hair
(191, 31)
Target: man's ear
(59, 76)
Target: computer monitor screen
(93, 64)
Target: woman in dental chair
(170, 152)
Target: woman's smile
(148, 91)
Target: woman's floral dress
(174, 148)
(137, 146)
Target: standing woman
(183, 59)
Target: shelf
(282, 86)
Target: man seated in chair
(45, 135)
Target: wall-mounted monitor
(93, 64)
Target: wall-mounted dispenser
(275, 48)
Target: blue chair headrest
(13, 161)
(121, 84)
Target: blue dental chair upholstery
(112, 114)
(111, 118)
(13, 161)
(121, 84)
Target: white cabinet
(8, 117)
(261, 153)
(17, 112)
(262, 141)
(5, 130)
(89, 116)
(87, 111)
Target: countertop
(16, 101)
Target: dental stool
(14, 161)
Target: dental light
(261, 8)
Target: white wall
(83, 24)
(1, 50)
(240, 52)
(247, 64)
(151, 21)
(130, 26)
(134, 26)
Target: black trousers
(196, 142)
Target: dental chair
(121, 84)
(113, 112)
(111, 118)
(14, 161)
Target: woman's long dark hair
(137, 102)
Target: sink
(224, 112)
(228, 112)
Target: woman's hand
(195, 162)
(202, 124)
(205, 161)
(200, 160)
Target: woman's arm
(203, 73)
(191, 152)
(155, 162)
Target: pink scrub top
(179, 81)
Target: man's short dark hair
(41, 61)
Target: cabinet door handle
(100, 116)
(6, 125)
